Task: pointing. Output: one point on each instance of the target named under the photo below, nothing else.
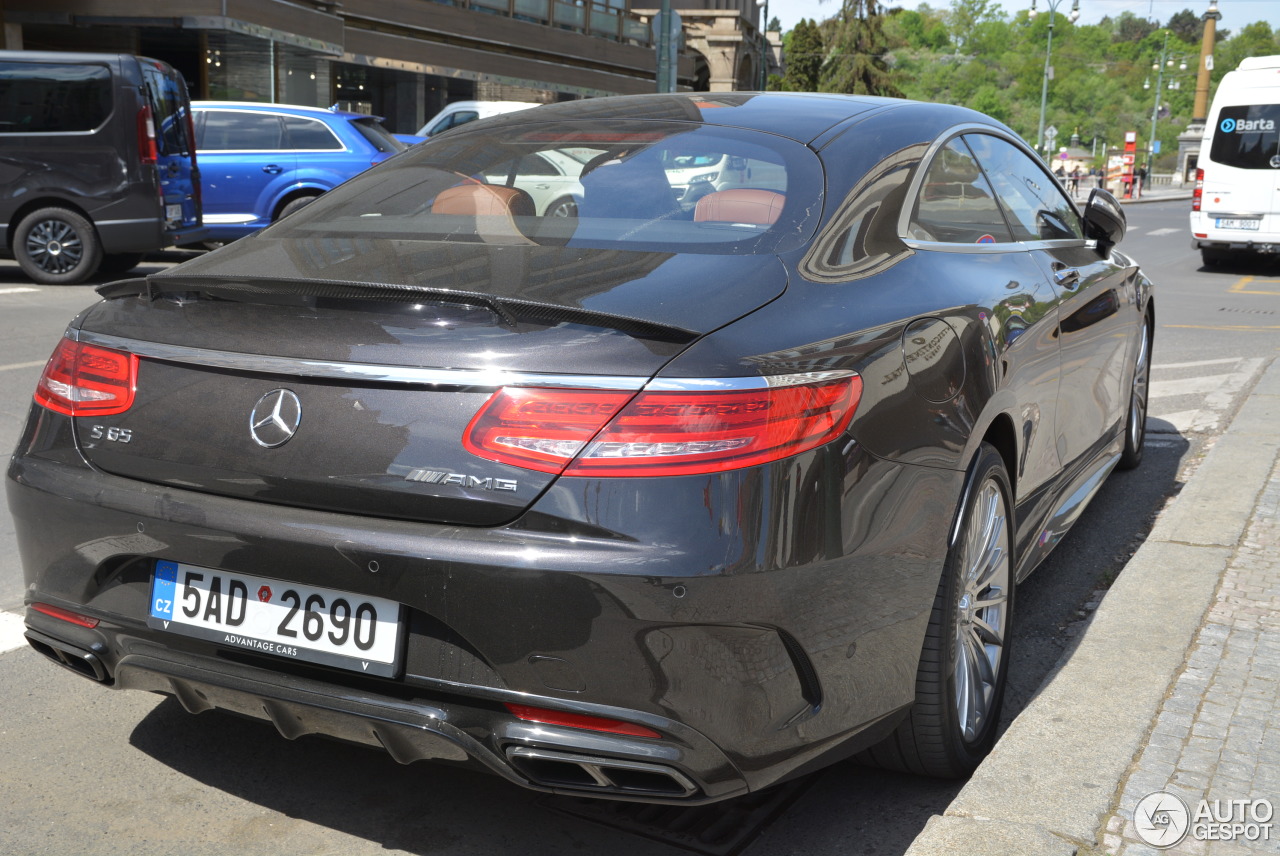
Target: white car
(551, 178)
(462, 112)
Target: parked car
(262, 162)
(549, 177)
(649, 503)
(462, 112)
(1235, 209)
(98, 166)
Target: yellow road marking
(1239, 287)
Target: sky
(1235, 13)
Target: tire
(118, 263)
(565, 206)
(1135, 428)
(56, 246)
(1213, 258)
(959, 685)
(293, 205)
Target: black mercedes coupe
(722, 470)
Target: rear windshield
(379, 137)
(656, 185)
(1248, 137)
(53, 97)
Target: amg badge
(461, 480)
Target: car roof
(297, 109)
(805, 117)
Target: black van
(97, 164)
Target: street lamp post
(1158, 66)
(1048, 53)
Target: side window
(309, 134)
(227, 130)
(1036, 208)
(956, 204)
(453, 120)
(44, 98)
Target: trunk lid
(382, 380)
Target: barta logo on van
(1247, 126)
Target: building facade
(402, 59)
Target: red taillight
(86, 380)
(579, 720)
(540, 429)
(65, 615)
(1198, 192)
(147, 152)
(658, 432)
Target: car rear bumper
(753, 671)
(143, 235)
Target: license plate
(1252, 225)
(173, 212)
(285, 619)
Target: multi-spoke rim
(1138, 401)
(55, 246)
(981, 610)
(564, 208)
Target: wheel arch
(291, 195)
(43, 202)
(1000, 434)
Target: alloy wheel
(981, 611)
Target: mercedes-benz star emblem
(275, 418)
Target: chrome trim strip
(476, 379)
(731, 384)
(359, 372)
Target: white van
(462, 112)
(1236, 207)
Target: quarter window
(1036, 208)
(308, 134)
(956, 204)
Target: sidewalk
(1173, 691)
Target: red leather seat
(758, 207)
(481, 199)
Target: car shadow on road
(1056, 602)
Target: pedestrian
(1075, 181)
(1139, 181)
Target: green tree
(857, 62)
(1131, 28)
(1187, 26)
(966, 15)
(804, 53)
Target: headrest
(760, 207)
(481, 199)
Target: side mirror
(1104, 219)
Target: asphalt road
(90, 771)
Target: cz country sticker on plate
(285, 619)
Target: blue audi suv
(263, 161)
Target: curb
(1051, 779)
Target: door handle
(1066, 277)
(272, 169)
